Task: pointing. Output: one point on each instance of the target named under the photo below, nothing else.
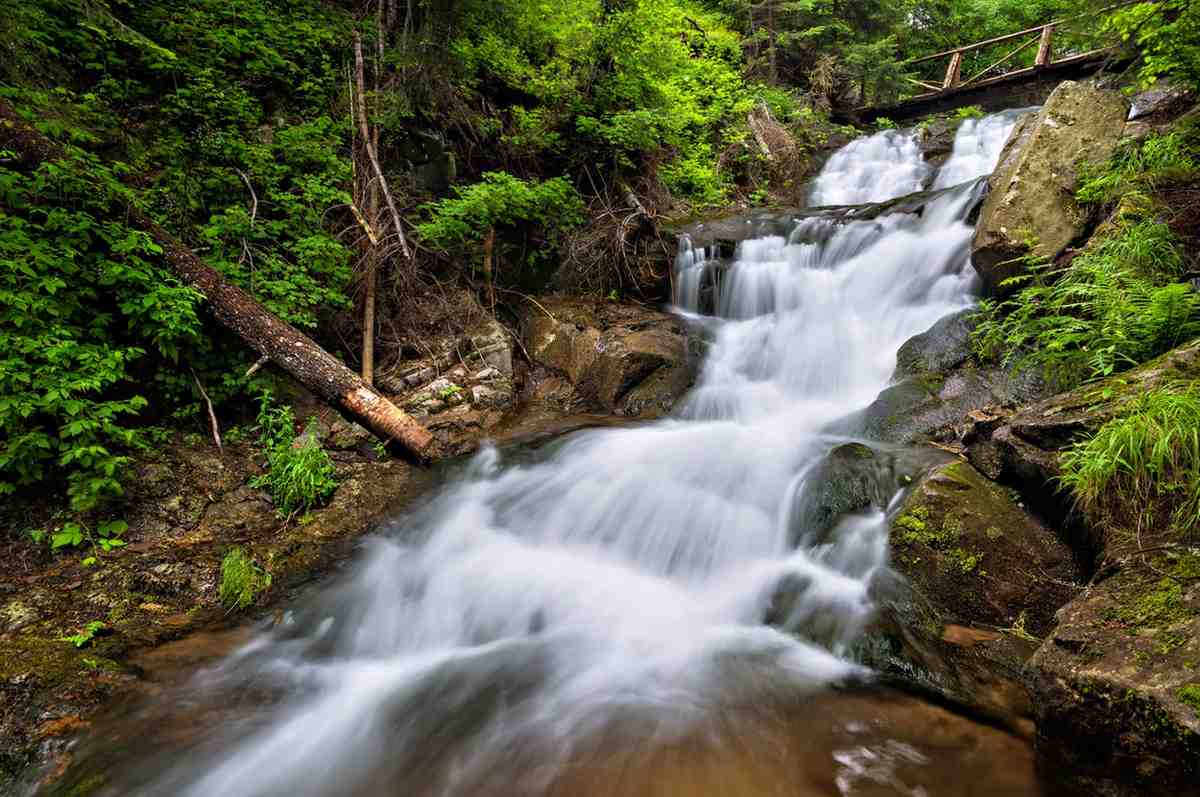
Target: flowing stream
(549, 615)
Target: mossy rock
(967, 544)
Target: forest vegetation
(335, 159)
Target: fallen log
(237, 311)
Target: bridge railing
(1026, 51)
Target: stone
(853, 477)
(419, 377)
(345, 435)
(488, 374)
(938, 385)
(1031, 192)
(982, 578)
(622, 358)
(493, 344)
(16, 615)
(490, 398)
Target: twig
(212, 416)
(365, 132)
(258, 364)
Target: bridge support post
(953, 71)
(1043, 53)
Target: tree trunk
(238, 312)
(489, 284)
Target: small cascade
(871, 169)
(625, 586)
(977, 147)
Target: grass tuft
(1143, 461)
(241, 580)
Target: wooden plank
(1010, 36)
(953, 71)
(923, 84)
(1043, 53)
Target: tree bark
(237, 311)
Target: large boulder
(1032, 190)
(984, 579)
(622, 358)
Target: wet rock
(1111, 682)
(938, 385)
(852, 477)
(971, 547)
(1032, 189)
(983, 580)
(623, 358)
(941, 347)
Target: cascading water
(612, 593)
(871, 169)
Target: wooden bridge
(991, 86)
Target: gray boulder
(1031, 198)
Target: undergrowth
(1143, 464)
(241, 580)
(1113, 306)
(300, 474)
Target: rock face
(936, 385)
(1032, 189)
(985, 577)
(621, 358)
(1115, 684)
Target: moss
(993, 533)
(964, 559)
(1162, 605)
(1190, 696)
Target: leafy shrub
(969, 112)
(1165, 36)
(1147, 457)
(241, 580)
(883, 123)
(500, 200)
(1110, 308)
(82, 298)
(300, 474)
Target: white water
(871, 169)
(977, 146)
(619, 584)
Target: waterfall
(616, 585)
(871, 169)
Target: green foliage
(300, 474)
(883, 123)
(94, 333)
(84, 637)
(82, 299)
(969, 112)
(241, 580)
(1189, 695)
(1113, 306)
(1147, 456)
(500, 200)
(1165, 37)
(1160, 161)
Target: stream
(634, 611)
